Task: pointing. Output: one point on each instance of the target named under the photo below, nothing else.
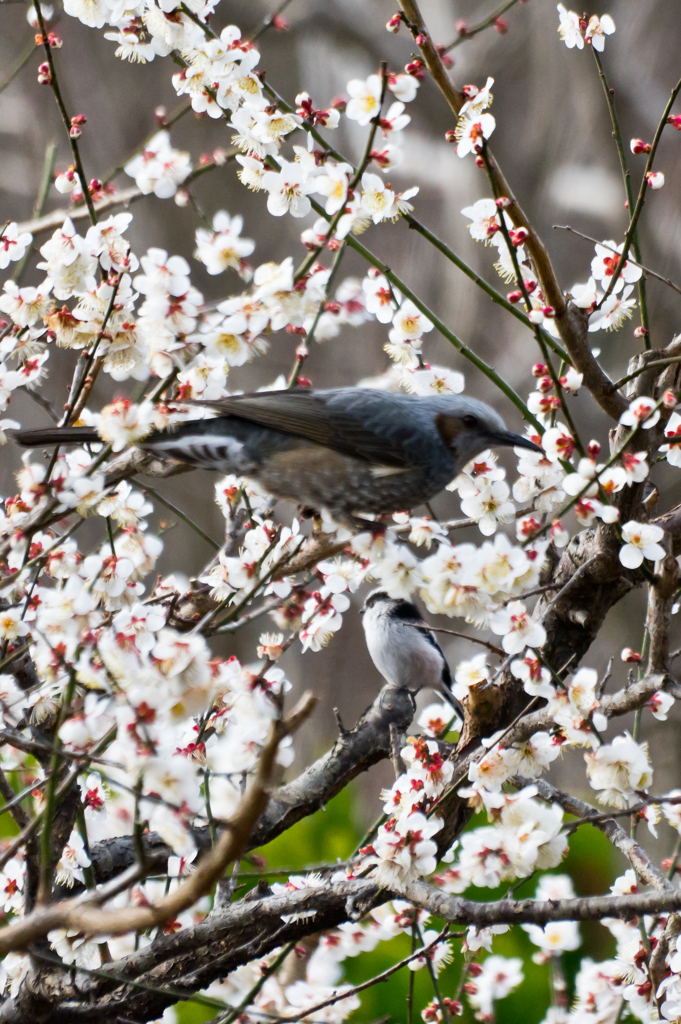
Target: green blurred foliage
(333, 834)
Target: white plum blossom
(381, 202)
(569, 28)
(641, 540)
(619, 771)
(13, 244)
(160, 168)
(123, 423)
(406, 850)
(606, 262)
(617, 308)
(288, 190)
(499, 976)
(365, 99)
(516, 627)
(598, 29)
(223, 248)
(672, 433)
(641, 413)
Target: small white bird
(403, 648)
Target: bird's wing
(309, 414)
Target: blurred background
(553, 140)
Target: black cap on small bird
(349, 450)
(404, 649)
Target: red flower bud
(414, 67)
(518, 236)
(475, 970)
(503, 202)
(421, 40)
(545, 385)
(479, 162)
(514, 296)
(393, 25)
(675, 121)
(450, 136)
(594, 449)
(633, 657)
(539, 369)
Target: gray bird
(347, 449)
(404, 649)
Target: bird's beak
(510, 440)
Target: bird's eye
(470, 421)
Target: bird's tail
(55, 435)
(453, 702)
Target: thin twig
(468, 33)
(596, 241)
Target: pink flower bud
(74, 132)
(594, 449)
(545, 385)
(220, 156)
(280, 24)
(94, 186)
(304, 382)
(339, 103)
(420, 39)
(518, 236)
(630, 656)
(160, 116)
(639, 146)
(462, 29)
(54, 41)
(549, 311)
(78, 120)
(492, 229)
(669, 399)
(44, 76)
(393, 25)
(539, 369)
(501, 26)
(182, 198)
(414, 67)
(640, 332)
(655, 179)
(503, 202)
(450, 136)
(302, 352)
(675, 121)
(470, 988)
(536, 316)
(479, 162)
(514, 296)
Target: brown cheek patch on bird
(449, 428)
